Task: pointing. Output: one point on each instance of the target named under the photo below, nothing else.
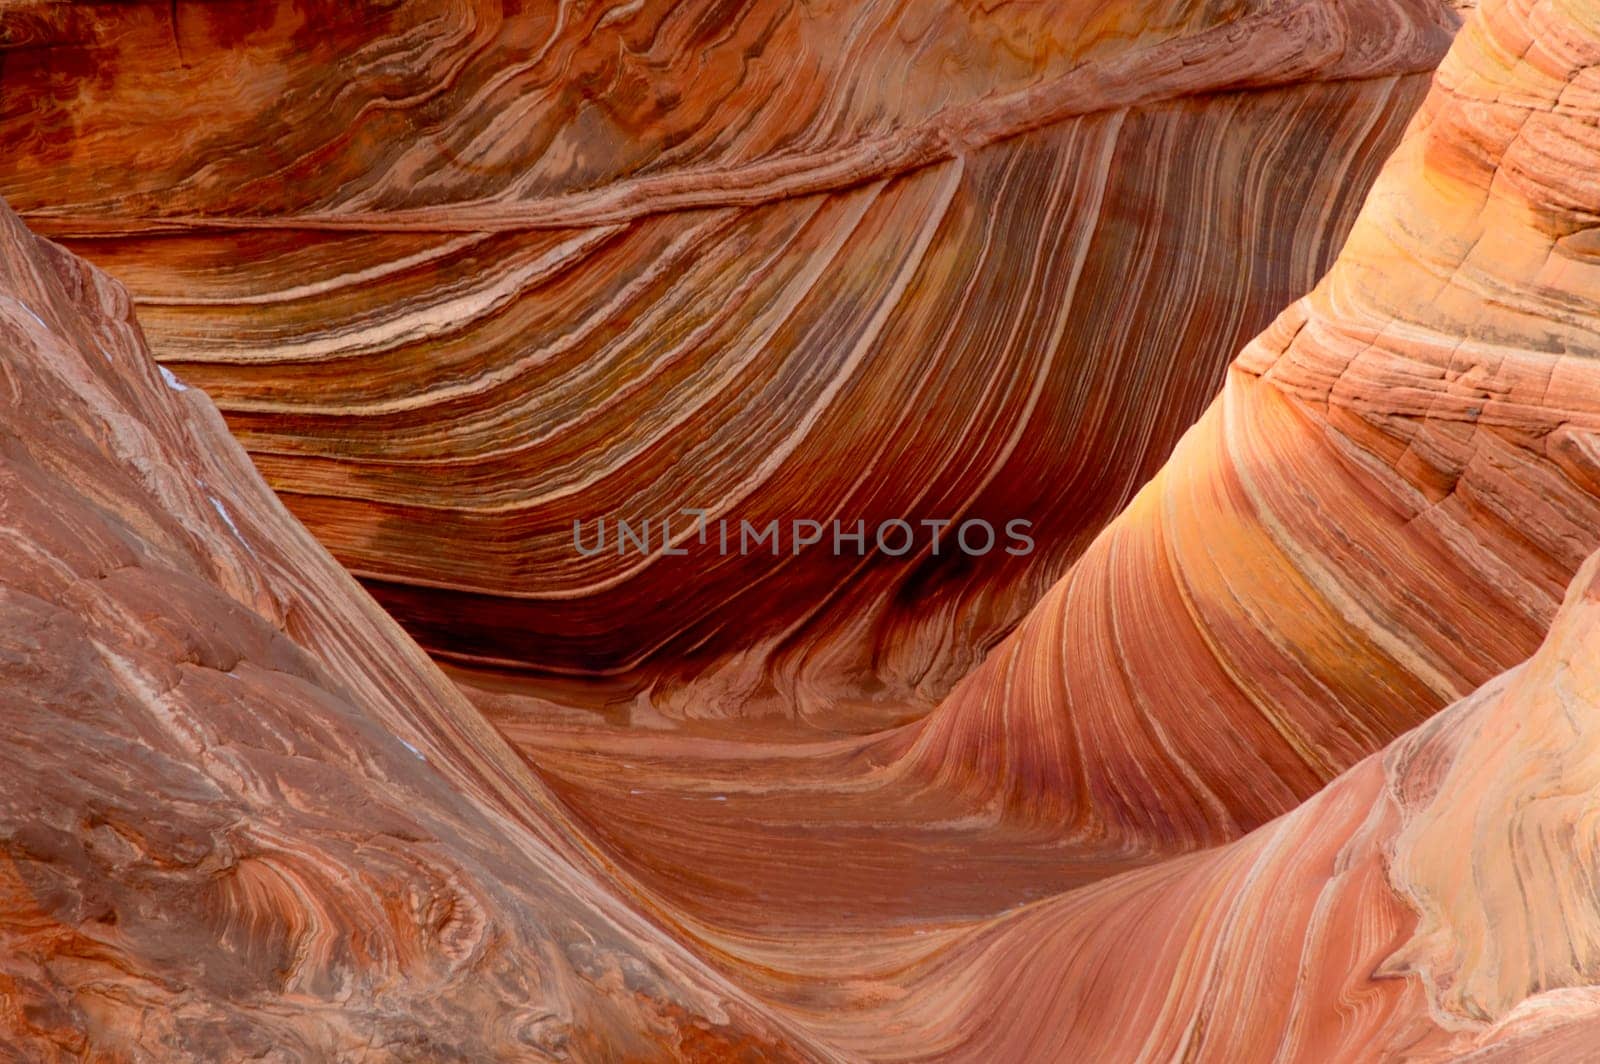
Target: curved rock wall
(1378, 514)
(463, 274)
(1193, 807)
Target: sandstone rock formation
(457, 273)
(1294, 762)
(1379, 513)
(242, 816)
(1378, 517)
(1435, 902)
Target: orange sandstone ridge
(1378, 514)
(1378, 517)
(1291, 763)
(468, 274)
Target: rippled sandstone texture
(465, 274)
(242, 816)
(1394, 485)
(1435, 902)
(1378, 514)
(1378, 517)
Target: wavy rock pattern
(243, 816)
(1435, 902)
(458, 275)
(1378, 514)
(1377, 518)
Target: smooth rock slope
(1435, 902)
(242, 816)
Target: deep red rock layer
(464, 276)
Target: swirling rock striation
(1435, 902)
(1378, 514)
(242, 816)
(308, 844)
(462, 274)
(1379, 517)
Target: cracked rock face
(467, 273)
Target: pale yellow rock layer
(1378, 514)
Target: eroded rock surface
(1379, 517)
(1379, 513)
(1198, 805)
(1433, 903)
(242, 816)
(457, 273)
